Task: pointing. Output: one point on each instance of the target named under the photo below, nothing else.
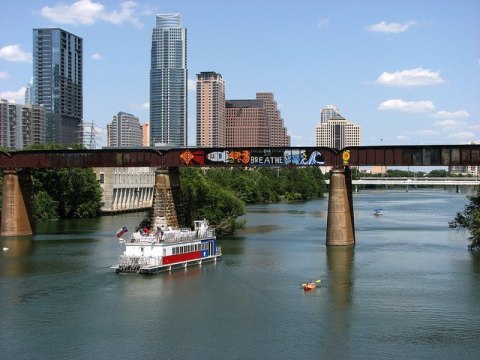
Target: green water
(408, 290)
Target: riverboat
(168, 249)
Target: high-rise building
(277, 131)
(246, 123)
(21, 125)
(168, 82)
(124, 131)
(210, 109)
(328, 112)
(58, 82)
(29, 93)
(145, 134)
(335, 131)
(255, 122)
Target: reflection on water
(16, 248)
(340, 270)
(258, 229)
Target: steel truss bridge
(393, 155)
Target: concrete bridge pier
(17, 207)
(340, 219)
(167, 201)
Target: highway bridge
(427, 181)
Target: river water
(409, 289)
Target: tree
(204, 198)
(470, 220)
(66, 193)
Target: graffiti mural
(195, 157)
(267, 157)
(228, 157)
(253, 157)
(303, 157)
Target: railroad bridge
(17, 216)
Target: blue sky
(406, 71)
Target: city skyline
(398, 69)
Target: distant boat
(377, 212)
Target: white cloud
(426, 132)
(97, 56)
(192, 85)
(14, 96)
(144, 106)
(402, 137)
(87, 12)
(322, 23)
(15, 53)
(3, 75)
(460, 114)
(463, 136)
(406, 106)
(411, 77)
(447, 123)
(391, 28)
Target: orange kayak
(309, 286)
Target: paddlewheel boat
(168, 249)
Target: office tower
(29, 93)
(277, 131)
(335, 131)
(210, 110)
(124, 131)
(21, 125)
(145, 134)
(246, 123)
(255, 122)
(168, 82)
(328, 112)
(58, 82)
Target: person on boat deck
(159, 233)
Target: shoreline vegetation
(469, 219)
(220, 195)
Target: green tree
(470, 220)
(75, 192)
(204, 198)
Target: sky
(406, 71)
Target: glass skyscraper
(58, 82)
(168, 82)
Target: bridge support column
(17, 207)
(167, 204)
(340, 220)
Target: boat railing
(139, 261)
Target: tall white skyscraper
(335, 131)
(168, 82)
